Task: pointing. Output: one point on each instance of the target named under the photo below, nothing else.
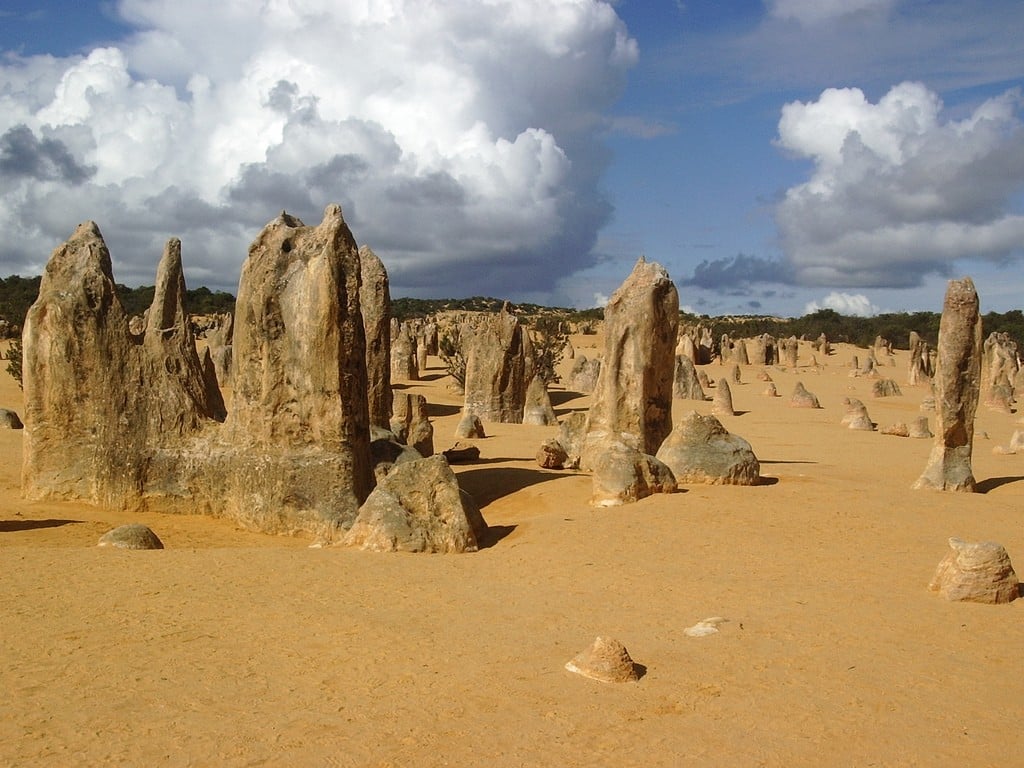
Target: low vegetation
(18, 293)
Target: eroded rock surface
(979, 572)
(701, 450)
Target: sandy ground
(238, 649)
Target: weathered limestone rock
(386, 450)
(685, 384)
(375, 307)
(572, 431)
(461, 453)
(583, 375)
(770, 390)
(790, 350)
(131, 536)
(404, 366)
(722, 401)
(9, 419)
(470, 426)
(700, 450)
(856, 416)
(496, 368)
(538, 409)
(764, 350)
(735, 375)
(687, 347)
(920, 369)
(703, 380)
(411, 422)
(918, 428)
(801, 398)
(551, 455)
(957, 383)
(607, 660)
(418, 507)
(978, 572)
(623, 475)
(98, 400)
(131, 422)
(885, 388)
(740, 353)
(298, 432)
(899, 429)
(633, 400)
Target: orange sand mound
(239, 649)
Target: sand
(232, 648)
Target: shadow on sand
(488, 484)
(991, 483)
(12, 526)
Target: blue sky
(775, 156)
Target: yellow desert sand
(232, 648)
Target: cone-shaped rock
(538, 409)
(418, 507)
(957, 386)
(607, 660)
(978, 572)
(801, 398)
(700, 450)
(722, 401)
(623, 475)
(686, 385)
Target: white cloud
(421, 118)
(856, 304)
(812, 12)
(897, 191)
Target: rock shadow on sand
(991, 483)
(489, 484)
(13, 526)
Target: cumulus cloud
(856, 304)
(462, 139)
(897, 191)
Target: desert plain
(234, 648)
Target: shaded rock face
(700, 450)
(957, 385)
(375, 306)
(976, 572)
(131, 536)
(885, 388)
(740, 353)
(418, 507)
(130, 421)
(551, 455)
(9, 419)
(763, 350)
(470, 426)
(497, 372)
(98, 399)
(685, 384)
(920, 369)
(633, 399)
(411, 423)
